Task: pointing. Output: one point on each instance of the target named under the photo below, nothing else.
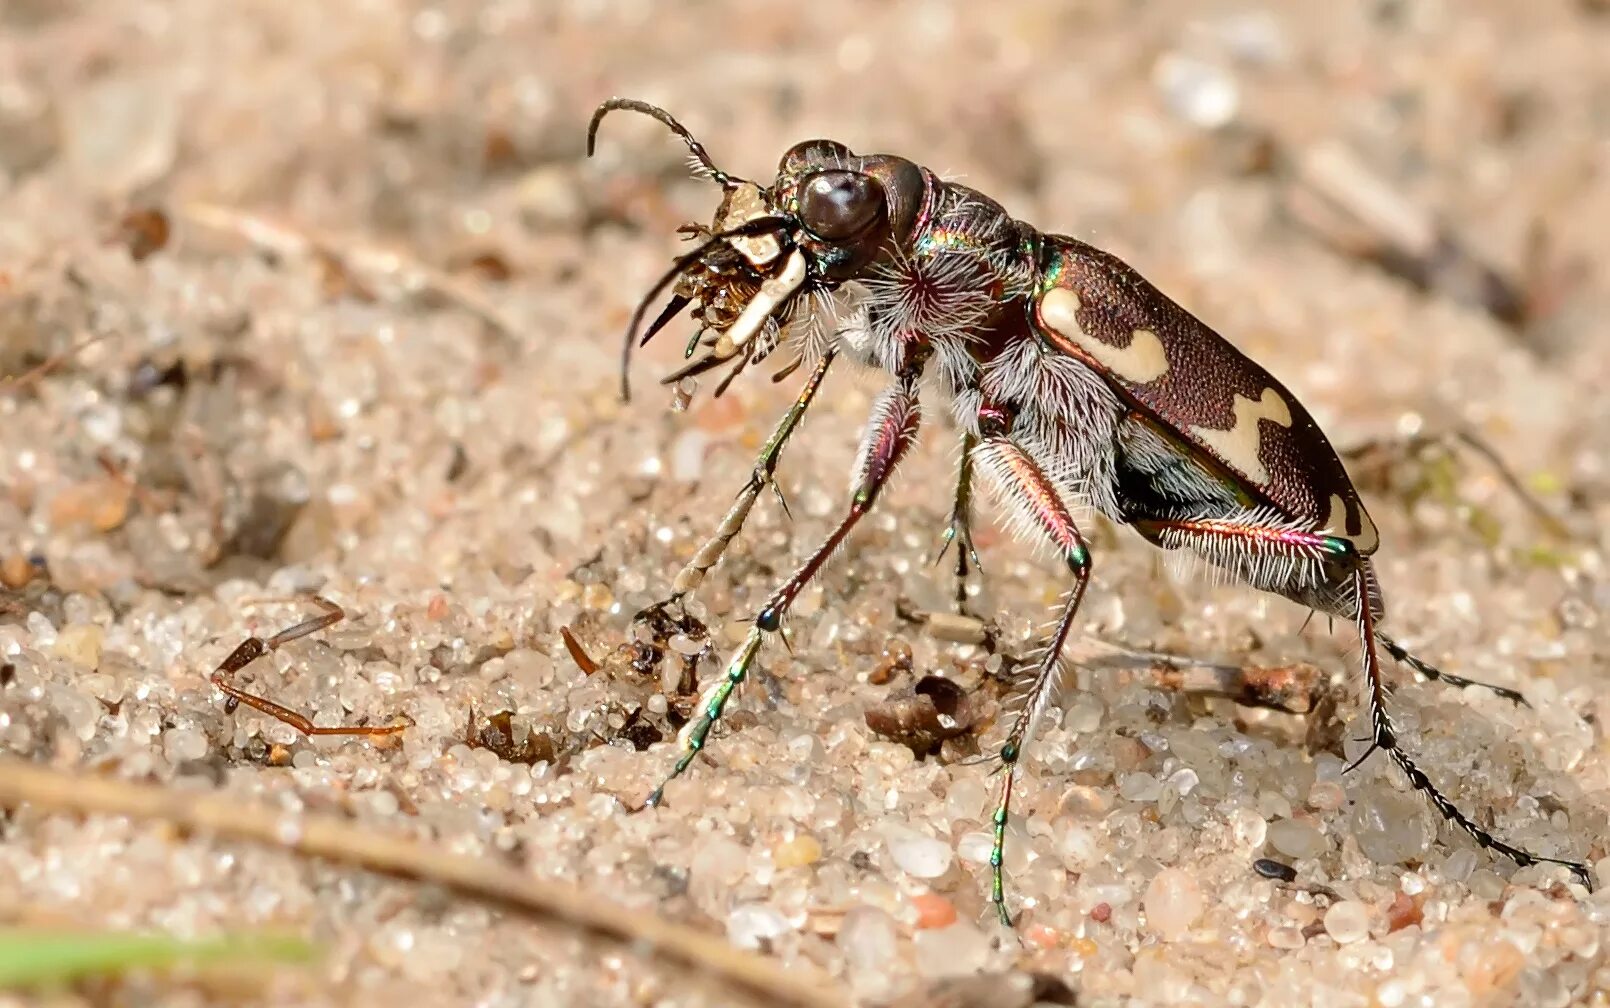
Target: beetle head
(825, 218)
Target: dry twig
(48, 790)
(13, 383)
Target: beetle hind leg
(1384, 738)
(1348, 589)
(1402, 654)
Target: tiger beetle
(1070, 377)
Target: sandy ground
(374, 356)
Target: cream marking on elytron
(1142, 361)
(1239, 445)
(1335, 523)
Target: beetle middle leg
(1019, 480)
(960, 529)
(890, 433)
(763, 475)
(1384, 738)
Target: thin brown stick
(49, 364)
(253, 648)
(22, 782)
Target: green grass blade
(31, 958)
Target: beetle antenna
(694, 147)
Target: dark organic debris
(495, 733)
(926, 716)
(1269, 868)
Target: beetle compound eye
(838, 205)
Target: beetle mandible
(1071, 378)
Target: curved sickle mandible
(758, 226)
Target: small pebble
(975, 847)
(530, 670)
(868, 939)
(1173, 902)
(1296, 839)
(1139, 787)
(1285, 938)
(933, 911)
(1251, 829)
(1274, 805)
(1404, 912)
(1084, 802)
(958, 950)
(803, 849)
(1494, 967)
(15, 570)
(102, 504)
(1127, 753)
(1201, 93)
(752, 923)
(1084, 714)
(1459, 865)
(1326, 796)
(957, 629)
(1348, 922)
(917, 855)
(1041, 936)
(183, 745)
(1389, 828)
(80, 643)
(682, 644)
(121, 132)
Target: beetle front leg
(1024, 487)
(1384, 737)
(760, 477)
(890, 433)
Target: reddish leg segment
(254, 648)
(1024, 487)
